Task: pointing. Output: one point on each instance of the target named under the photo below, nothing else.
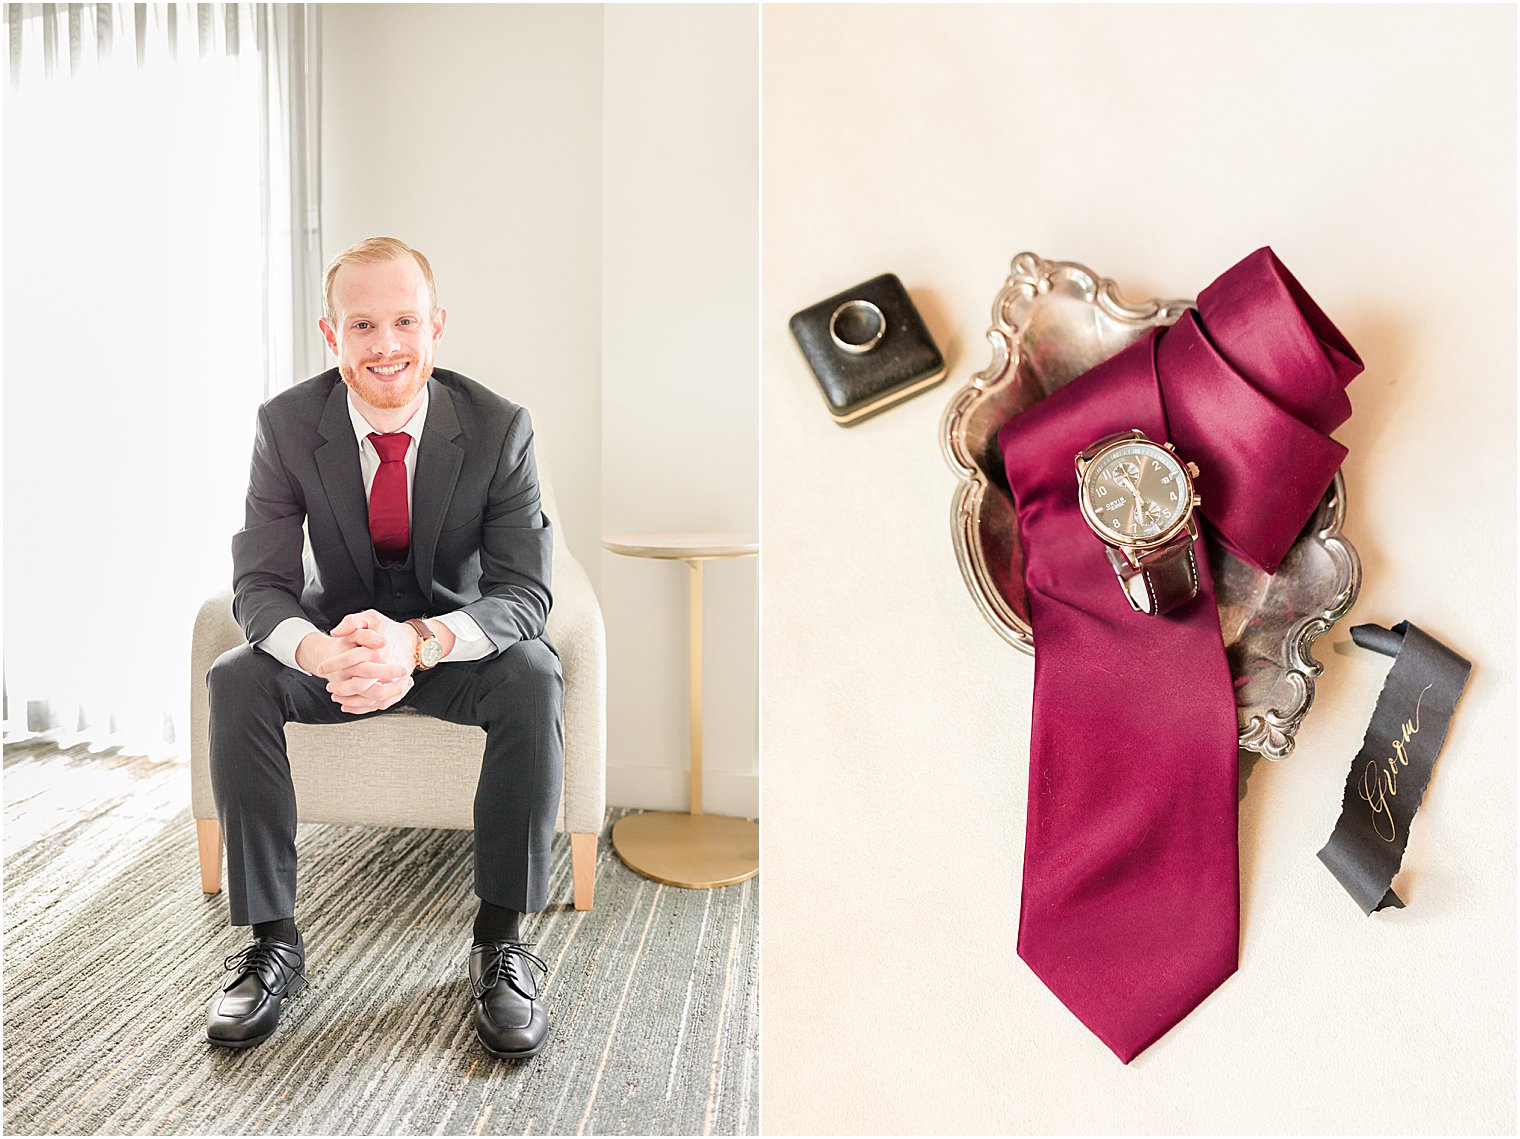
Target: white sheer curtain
(160, 256)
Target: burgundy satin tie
(1130, 907)
(389, 524)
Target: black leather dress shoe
(510, 1017)
(247, 1010)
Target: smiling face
(383, 332)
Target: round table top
(684, 544)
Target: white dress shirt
(469, 642)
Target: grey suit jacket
(480, 541)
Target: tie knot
(392, 447)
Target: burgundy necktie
(389, 527)
(1130, 908)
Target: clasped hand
(368, 661)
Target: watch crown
(1192, 469)
(1197, 502)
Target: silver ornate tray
(1052, 321)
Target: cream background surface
(1374, 149)
(592, 230)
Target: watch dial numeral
(1136, 493)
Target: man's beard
(386, 396)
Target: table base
(696, 852)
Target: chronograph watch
(1138, 497)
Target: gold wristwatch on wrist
(1138, 497)
(429, 648)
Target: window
(143, 327)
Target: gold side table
(692, 850)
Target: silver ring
(865, 346)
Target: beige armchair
(428, 777)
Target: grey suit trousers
(517, 696)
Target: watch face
(431, 652)
(1136, 493)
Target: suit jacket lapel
(439, 459)
(338, 464)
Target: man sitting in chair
(426, 585)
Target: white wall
(680, 387)
(474, 134)
(585, 187)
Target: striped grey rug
(112, 952)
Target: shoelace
(500, 958)
(253, 959)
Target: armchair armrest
(576, 629)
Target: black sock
(494, 923)
(282, 929)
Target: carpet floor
(112, 953)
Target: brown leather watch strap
(1087, 454)
(1171, 574)
(1165, 578)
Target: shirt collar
(412, 427)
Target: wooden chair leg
(208, 834)
(583, 868)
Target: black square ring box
(868, 348)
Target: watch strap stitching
(1152, 589)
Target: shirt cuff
(286, 638)
(469, 642)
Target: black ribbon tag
(1388, 776)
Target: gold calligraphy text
(1380, 781)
